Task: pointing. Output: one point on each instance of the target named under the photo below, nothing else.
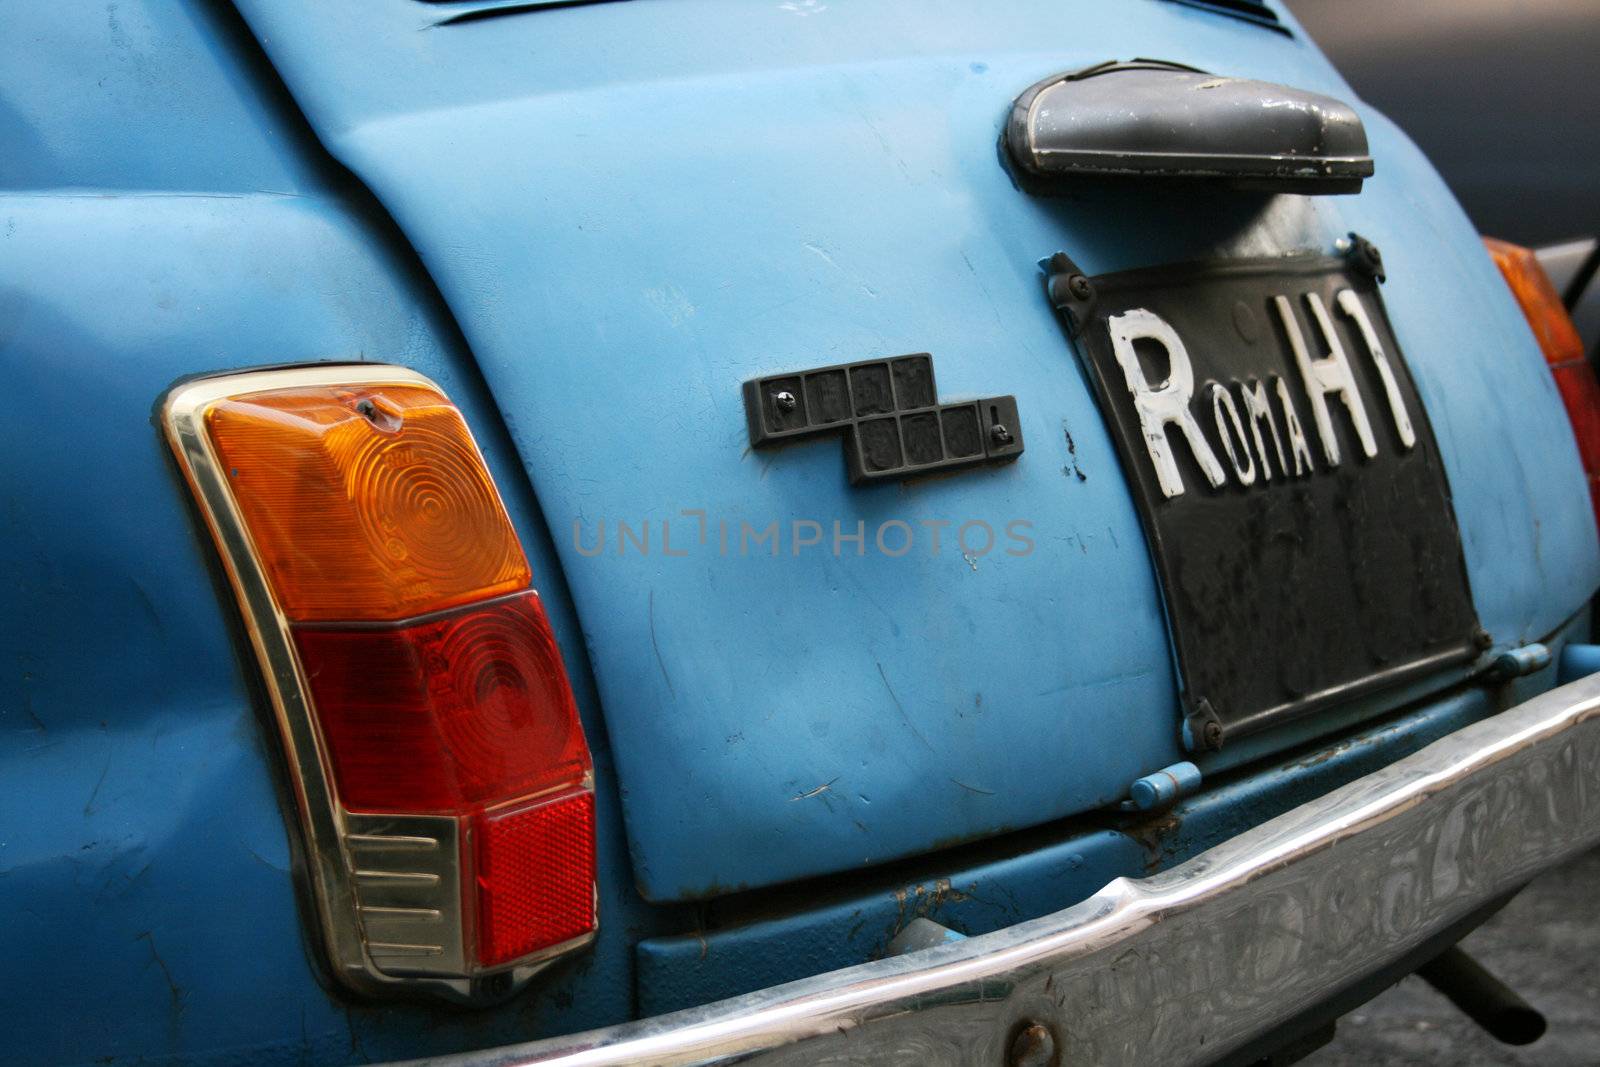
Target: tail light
(444, 783)
(1563, 350)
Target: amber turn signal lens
(1563, 350)
(1540, 302)
(365, 502)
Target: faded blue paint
(1226, 810)
(1223, 811)
(1578, 661)
(629, 209)
(150, 914)
(680, 972)
(1047, 870)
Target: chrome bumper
(1189, 964)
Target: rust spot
(1151, 835)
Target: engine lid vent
(1255, 11)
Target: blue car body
(590, 224)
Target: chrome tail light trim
(374, 881)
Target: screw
(999, 434)
(1212, 732)
(1364, 256)
(785, 400)
(382, 420)
(1482, 639)
(1066, 289)
(1034, 1046)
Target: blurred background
(1504, 96)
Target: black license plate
(1288, 480)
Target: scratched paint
(165, 210)
(881, 171)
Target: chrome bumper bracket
(1192, 963)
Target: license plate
(1288, 481)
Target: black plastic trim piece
(479, 10)
(1149, 118)
(1252, 11)
(894, 425)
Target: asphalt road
(1545, 944)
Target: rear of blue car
(527, 521)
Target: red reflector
(536, 875)
(448, 714)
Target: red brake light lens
(448, 714)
